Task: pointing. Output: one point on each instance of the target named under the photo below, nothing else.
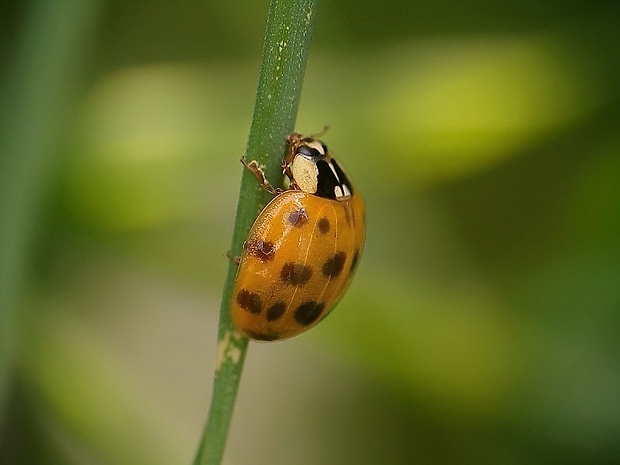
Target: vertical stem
(285, 54)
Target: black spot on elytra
(333, 265)
(276, 311)
(249, 301)
(308, 312)
(297, 218)
(295, 274)
(260, 249)
(324, 225)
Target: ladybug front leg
(260, 175)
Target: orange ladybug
(303, 249)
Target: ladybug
(303, 249)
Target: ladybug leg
(232, 258)
(286, 168)
(260, 175)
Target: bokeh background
(484, 323)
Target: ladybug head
(312, 169)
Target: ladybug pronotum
(303, 248)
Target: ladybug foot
(257, 171)
(228, 255)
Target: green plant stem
(285, 53)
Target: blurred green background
(484, 323)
